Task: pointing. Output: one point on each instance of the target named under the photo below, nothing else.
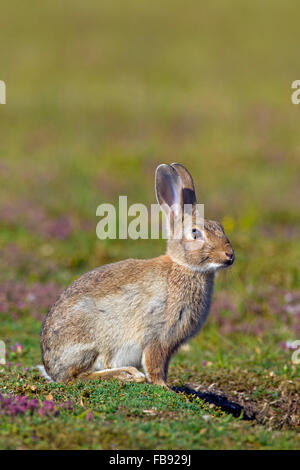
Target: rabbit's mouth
(229, 257)
(230, 261)
(227, 263)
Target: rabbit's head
(195, 242)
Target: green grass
(97, 95)
(130, 416)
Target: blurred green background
(98, 94)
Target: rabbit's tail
(43, 372)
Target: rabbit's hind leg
(128, 374)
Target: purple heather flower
(30, 297)
(89, 416)
(288, 345)
(42, 412)
(49, 405)
(35, 219)
(68, 405)
(15, 405)
(17, 348)
(36, 298)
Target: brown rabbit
(136, 313)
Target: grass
(112, 415)
(97, 96)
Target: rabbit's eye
(196, 234)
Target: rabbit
(133, 315)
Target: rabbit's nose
(230, 256)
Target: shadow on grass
(218, 400)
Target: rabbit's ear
(189, 195)
(168, 186)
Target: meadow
(98, 94)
